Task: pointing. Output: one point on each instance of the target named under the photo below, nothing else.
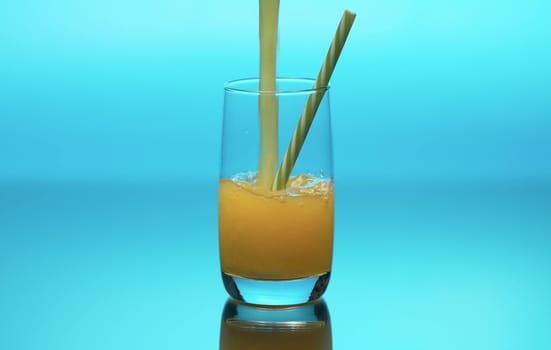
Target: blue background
(110, 129)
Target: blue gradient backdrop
(110, 122)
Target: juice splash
(268, 106)
(279, 235)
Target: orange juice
(280, 235)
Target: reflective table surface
(416, 266)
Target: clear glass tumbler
(276, 246)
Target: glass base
(265, 292)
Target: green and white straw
(314, 100)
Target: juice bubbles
(281, 235)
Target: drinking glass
(276, 246)
(303, 327)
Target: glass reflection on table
(250, 327)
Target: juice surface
(276, 235)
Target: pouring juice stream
(268, 105)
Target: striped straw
(314, 100)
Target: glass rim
(229, 86)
